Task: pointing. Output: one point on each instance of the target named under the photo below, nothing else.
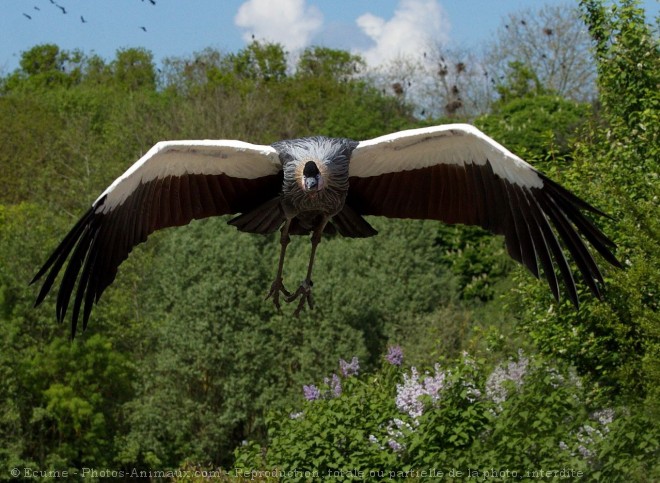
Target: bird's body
(452, 173)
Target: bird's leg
(305, 289)
(278, 285)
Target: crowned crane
(451, 173)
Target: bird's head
(311, 179)
(316, 164)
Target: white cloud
(416, 24)
(288, 22)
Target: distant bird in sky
(36, 8)
(61, 8)
(452, 173)
(26, 15)
(144, 28)
(82, 19)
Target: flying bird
(452, 173)
(82, 19)
(144, 28)
(27, 16)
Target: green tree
(61, 402)
(45, 66)
(329, 63)
(259, 62)
(134, 69)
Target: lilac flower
(311, 392)
(400, 426)
(349, 369)
(334, 384)
(408, 393)
(514, 372)
(395, 445)
(588, 437)
(472, 393)
(585, 452)
(604, 417)
(434, 384)
(394, 355)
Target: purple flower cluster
(395, 445)
(433, 385)
(514, 371)
(394, 355)
(605, 418)
(408, 394)
(311, 392)
(397, 431)
(589, 436)
(334, 384)
(349, 369)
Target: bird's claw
(276, 287)
(305, 293)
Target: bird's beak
(312, 184)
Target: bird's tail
(350, 224)
(264, 219)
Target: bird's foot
(305, 293)
(276, 288)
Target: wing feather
(456, 174)
(512, 231)
(541, 247)
(530, 242)
(174, 183)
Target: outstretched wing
(174, 183)
(457, 174)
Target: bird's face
(311, 179)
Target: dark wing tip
(76, 247)
(562, 209)
(571, 197)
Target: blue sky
(374, 28)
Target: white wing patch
(448, 144)
(176, 158)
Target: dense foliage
(185, 366)
(522, 419)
